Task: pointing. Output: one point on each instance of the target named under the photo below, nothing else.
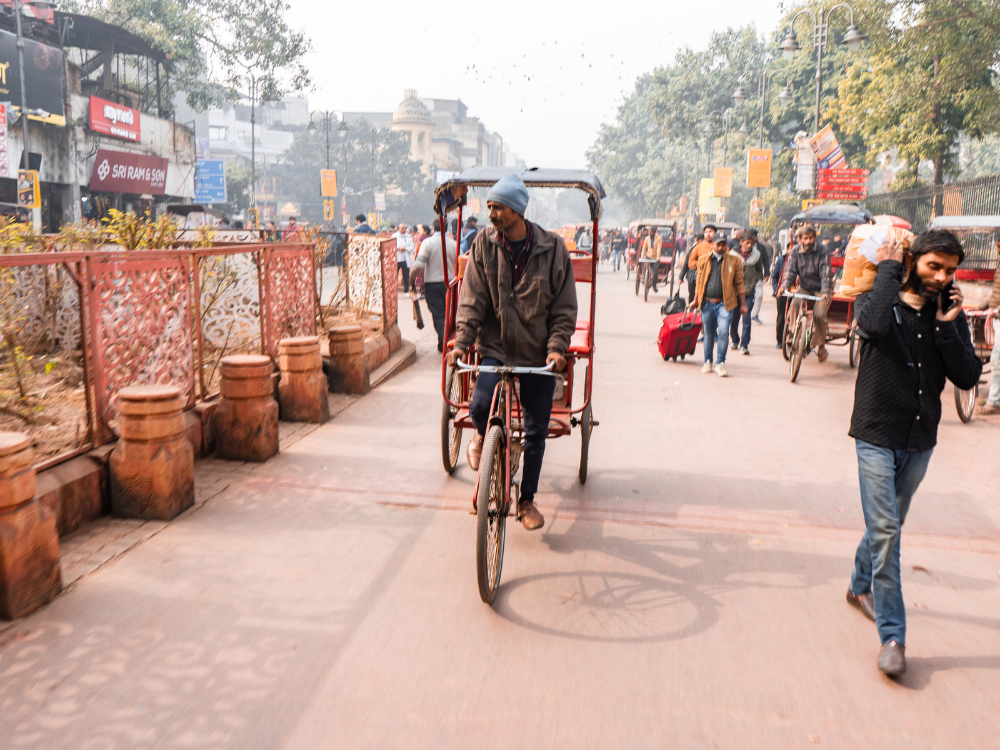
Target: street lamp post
(270, 99)
(328, 117)
(739, 96)
(852, 39)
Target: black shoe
(892, 659)
(864, 602)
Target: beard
(917, 286)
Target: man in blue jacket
(913, 336)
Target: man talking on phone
(913, 336)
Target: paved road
(690, 595)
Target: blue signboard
(210, 181)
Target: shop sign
(116, 120)
(124, 172)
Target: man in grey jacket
(518, 305)
(809, 267)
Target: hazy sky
(544, 75)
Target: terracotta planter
(246, 420)
(29, 543)
(349, 371)
(302, 390)
(152, 466)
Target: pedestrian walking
(468, 234)
(361, 225)
(617, 249)
(758, 294)
(913, 336)
(428, 262)
(777, 270)
(719, 290)
(753, 272)
(809, 267)
(992, 405)
(703, 248)
(404, 255)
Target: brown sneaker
(531, 519)
(892, 659)
(475, 451)
(864, 602)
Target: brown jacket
(518, 326)
(732, 279)
(700, 250)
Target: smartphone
(946, 300)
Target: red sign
(842, 177)
(121, 172)
(113, 119)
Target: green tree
(214, 47)
(409, 194)
(237, 188)
(931, 76)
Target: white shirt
(429, 259)
(404, 248)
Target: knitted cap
(511, 192)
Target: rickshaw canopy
(654, 223)
(452, 193)
(987, 223)
(834, 213)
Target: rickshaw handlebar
(803, 296)
(504, 370)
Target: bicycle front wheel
(965, 402)
(638, 278)
(491, 513)
(799, 343)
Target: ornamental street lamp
(328, 116)
(853, 39)
(256, 87)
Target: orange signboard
(723, 187)
(328, 180)
(759, 168)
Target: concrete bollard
(348, 366)
(246, 420)
(29, 543)
(302, 390)
(152, 466)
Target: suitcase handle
(684, 320)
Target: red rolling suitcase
(679, 334)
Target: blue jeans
(715, 319)
(536, 401)
(616, 258)
(734, 327)
(889, 478)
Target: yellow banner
(707, 202)
(28, 189)
(759, 168)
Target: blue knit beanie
(511, 192)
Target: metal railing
(150, 316)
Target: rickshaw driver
(652, 246)
(518, 304)
(811, 267)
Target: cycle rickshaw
(497, 492)
(976, 280)
(842, 328)
(667, 229)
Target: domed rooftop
(411, 109)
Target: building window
(420, 140)
(216, 133)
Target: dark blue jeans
(734, 326)
(889, 478)
(536, 403)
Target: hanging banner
(328, 183)
(44, 68)
(826, 150)
(759, 168)
(116, 120)
(28, 189)
(756, 212)
(805, 164)
(707, 202)
(125, 172)
(723, 184)
(380, 201)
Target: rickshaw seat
(579, 343)
(583, 270)
(462, 261)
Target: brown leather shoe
(864, 602)
(475, 451)
(892, 659)
(822, 354)
(531, 519)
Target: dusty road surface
(690, 595)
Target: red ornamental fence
(141, 320)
